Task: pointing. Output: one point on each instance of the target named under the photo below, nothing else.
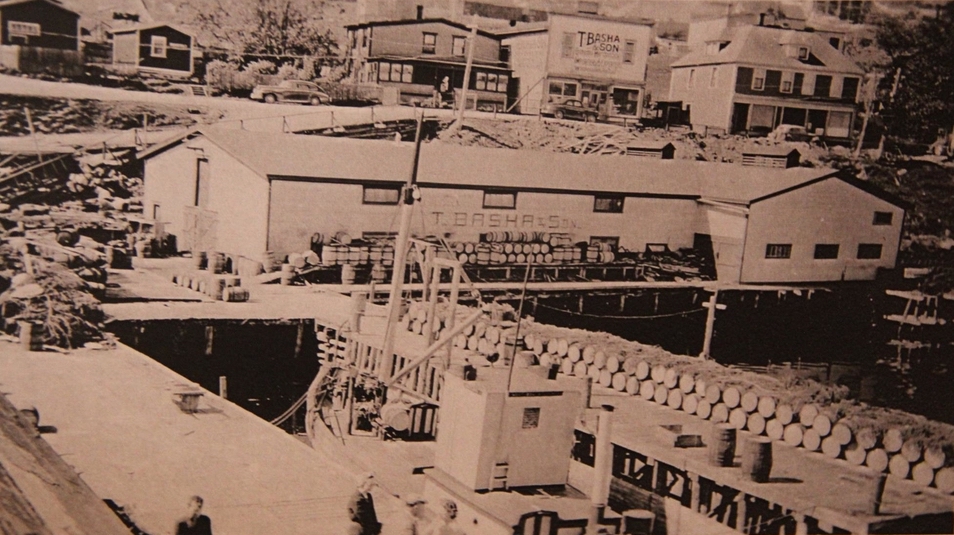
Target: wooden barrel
(343, 237)
(713, 394)
(632, 385)
(855, 455)
(877, 459)
(661, 394)
(766, 406)
(899, 467)
(704, 409)
(793, 434)
(31, 335)
(619, 381)
(700, 386)
(354, 254)
(750, 401)
(235, 294)
(288, 274)
(720, 413)
(376, 254)
(721, 450)
(592, 254)
(612, 364)
(606, 378)
(671, 380)
(674, 399)
(784, 413)
(629, 365)
(642, 370)
(599, 359)
(687, 383)
(658, 373)
(893, 441)
(563, 348)
(216, 262)
(757, 459)
(810, 440)
(539, 346)
(567, 367)
(217, 288)
(830, 447)
(690, 402)
(755, 423)
(841, 433)
(378, 273)
(593, 372)
(396, 416)
(912, 450)
(647, 389)
(588, 353)
(822, 425)
(807, 414)
(935, 456)
(311, 258)
(347, 274)
(387, 257)
(738, 418)
(483, 256)
(329, 255)
(200, 260)
(944, 479)
(922, 474)
(731, 397)
(774, 429)
(573, 352)
(579, 369)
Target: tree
(266, 27)
(919, 99)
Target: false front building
(598, 61)
(424, 60)
(245, 193)
(755, 78)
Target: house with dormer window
(752, 79)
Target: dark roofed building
(40, 36)
(162, 49)
(754, 78)
(272, 192)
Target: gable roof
(319, 158)
(54, 3)
(762, 46)
(141, 27)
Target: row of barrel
(219, 287)
(806, 426)
(536, 253)
(337, 255)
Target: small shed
(161, 49)
(776, 157)
(662, 150)
(38, 36)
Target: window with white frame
(803, 53)
(158, 46)
(758, 80)
(788, 82)
(429, 46)
(502, 80)
(629, 51)
(459, 45)
(381, 194)
(481, 82)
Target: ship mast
(401, 246)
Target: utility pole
(471, 40)
(401, 245)
(870, 87)
(713, 305)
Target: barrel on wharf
(347, 274)
(235, 294)
(31, 335)
(288, 273)
(757, 459)
(216, 262)
(199, 259)
(722, 446)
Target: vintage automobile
(291, 91)
(574, 109)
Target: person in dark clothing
(361, 507)
(196, 523)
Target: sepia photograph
(468, 267)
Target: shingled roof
(763, 46)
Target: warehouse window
(502, 80)
(758, 80)
(869, 251)
(531, 418)
(608, 203)
(430, 43)
(778, 250)
(381, 195)
(481, 81)
(500, 199)
(826, 251)
(883, 218)
(158, 48)
(803, 53)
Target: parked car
(291, 91)
(574, 109)
(791, 132)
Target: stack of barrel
(489, 336)
(520, 247)
(342, 250)
(207, 277)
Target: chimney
(602, 468)
(420, 12)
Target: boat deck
(118, 426)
